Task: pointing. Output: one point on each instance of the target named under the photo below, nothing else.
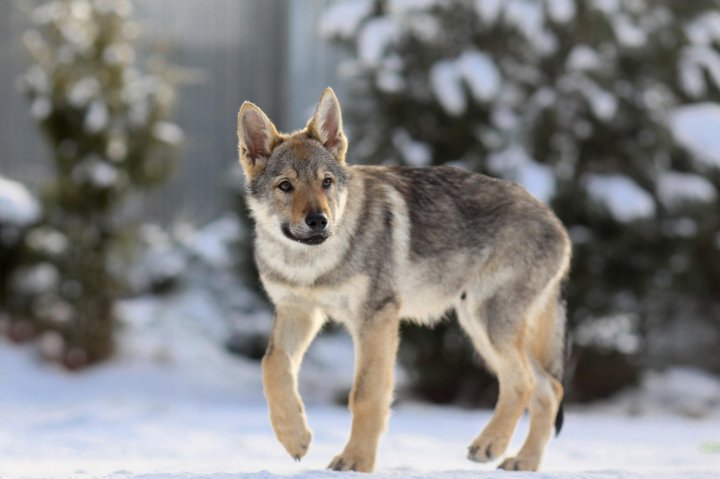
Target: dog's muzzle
(311, 239)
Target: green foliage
(106, 125)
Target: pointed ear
(326, 125)
(257, 137)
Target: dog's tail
(562, 354)
(559, 418)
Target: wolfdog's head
(296, 182)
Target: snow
(97, 117)
(426, 28)
(474, 68)
(538, 179)
(35, 77)
(528, 17)
(214, 242)
(691, 77)
(36, 279)
(504, 118)
(583, 57)
(160, 264)
(141, 91)
(46, 13)
(374, 38)
(621, 196)
(404, 6)
(122, 8)
(676, 391)
(81, 9)
(36, 45)
(675, 188)
(204, 417)
(609, 7)
(343, 19)
(694, 60)
(705, 29)
(47, 240)
(389, 81)
(415, 153)
(40, 108)
(628, 33)
(477, 69)
(103, 174)
(119, 54)
(488, 10)
(78, 37)
(561, 11)
(83, 91)
(17, 205)
(696, 127)
(480, 73)
(613, 333)
(445, 82)
(96, 171)
(604, 105)
(168, 132)
(515, 164)
(188, 329)
(198, 272)
(692, 392)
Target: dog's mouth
(313, 239)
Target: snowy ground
(207, 419)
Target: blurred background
(123, 231)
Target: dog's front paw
(520, 464)
(294, 435)
(487, 447)
(352, 461)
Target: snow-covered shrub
(607, 110)
(107, 126)
(185, 283)
(248, 271)
(19, 211)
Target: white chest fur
(342, 302)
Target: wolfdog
(368, 246)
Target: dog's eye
(285, 186)
(327, 182)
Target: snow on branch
(624, 199)
(17, 206)
(697, 128)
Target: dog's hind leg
(503, 349)
(543, 409)
(293, 329)
(516, 388)
(547, 338)
(376, 343)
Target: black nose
(316, 221)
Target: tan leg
(516, 389)
(543, 408)
(293, 330)
(376, 343)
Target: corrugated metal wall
(23, 156)
(230, 50)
